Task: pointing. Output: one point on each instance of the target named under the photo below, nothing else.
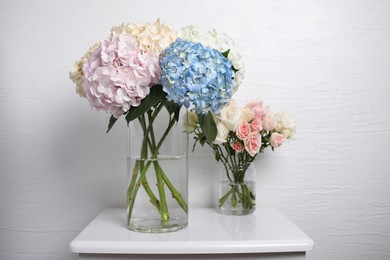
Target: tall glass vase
(237, 190)
(157, 195)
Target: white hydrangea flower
(153, 37)
(220, 42)
(76, 72)
(132, 28)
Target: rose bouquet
(242, 133)
(141, 70)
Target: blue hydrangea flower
(193, 74)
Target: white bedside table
(265, 234)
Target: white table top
(265, 231)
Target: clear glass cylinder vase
(237, 190)
(157, 195)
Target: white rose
(190, 121)
(230, 115)
(247, 114)
(222, 133)
(284, 124)
(268, 123)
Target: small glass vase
(237, 191)
(157, 195)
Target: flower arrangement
(139, 70)
(242, 134)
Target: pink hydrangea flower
(277, 140)
(119, 75)
(253, 143)
(237, 146)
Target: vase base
(236, 198)
(231, 211)
(156, 225)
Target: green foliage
(226, 53)
(201, 138)
(208, 126)
(155, 96)
(111, 123)
(173, 108)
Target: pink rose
(253, 143)
(243, 130)
(237, 146)
(268, 123)
(256, 125)
(277, 140)
(257, 107)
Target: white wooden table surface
(265, 234)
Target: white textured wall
(327, 62)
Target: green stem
(139, 166)
(171, 124)
(247, 197)
(161, 192)
(145, 183)
(239, 193)
(233, 199)
(244, 196)
(134, 186)
(153, 141)
(223, 199)
(232, 164)
(135, 190)
(224, 160)
(175, 194)
(132, 182)
(152, 197)
(149, 140)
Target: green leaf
(111, 123)
(217, 156)
(202, 140)
(226, 53)
(155, 96)
(208, 126)
(173, 108)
